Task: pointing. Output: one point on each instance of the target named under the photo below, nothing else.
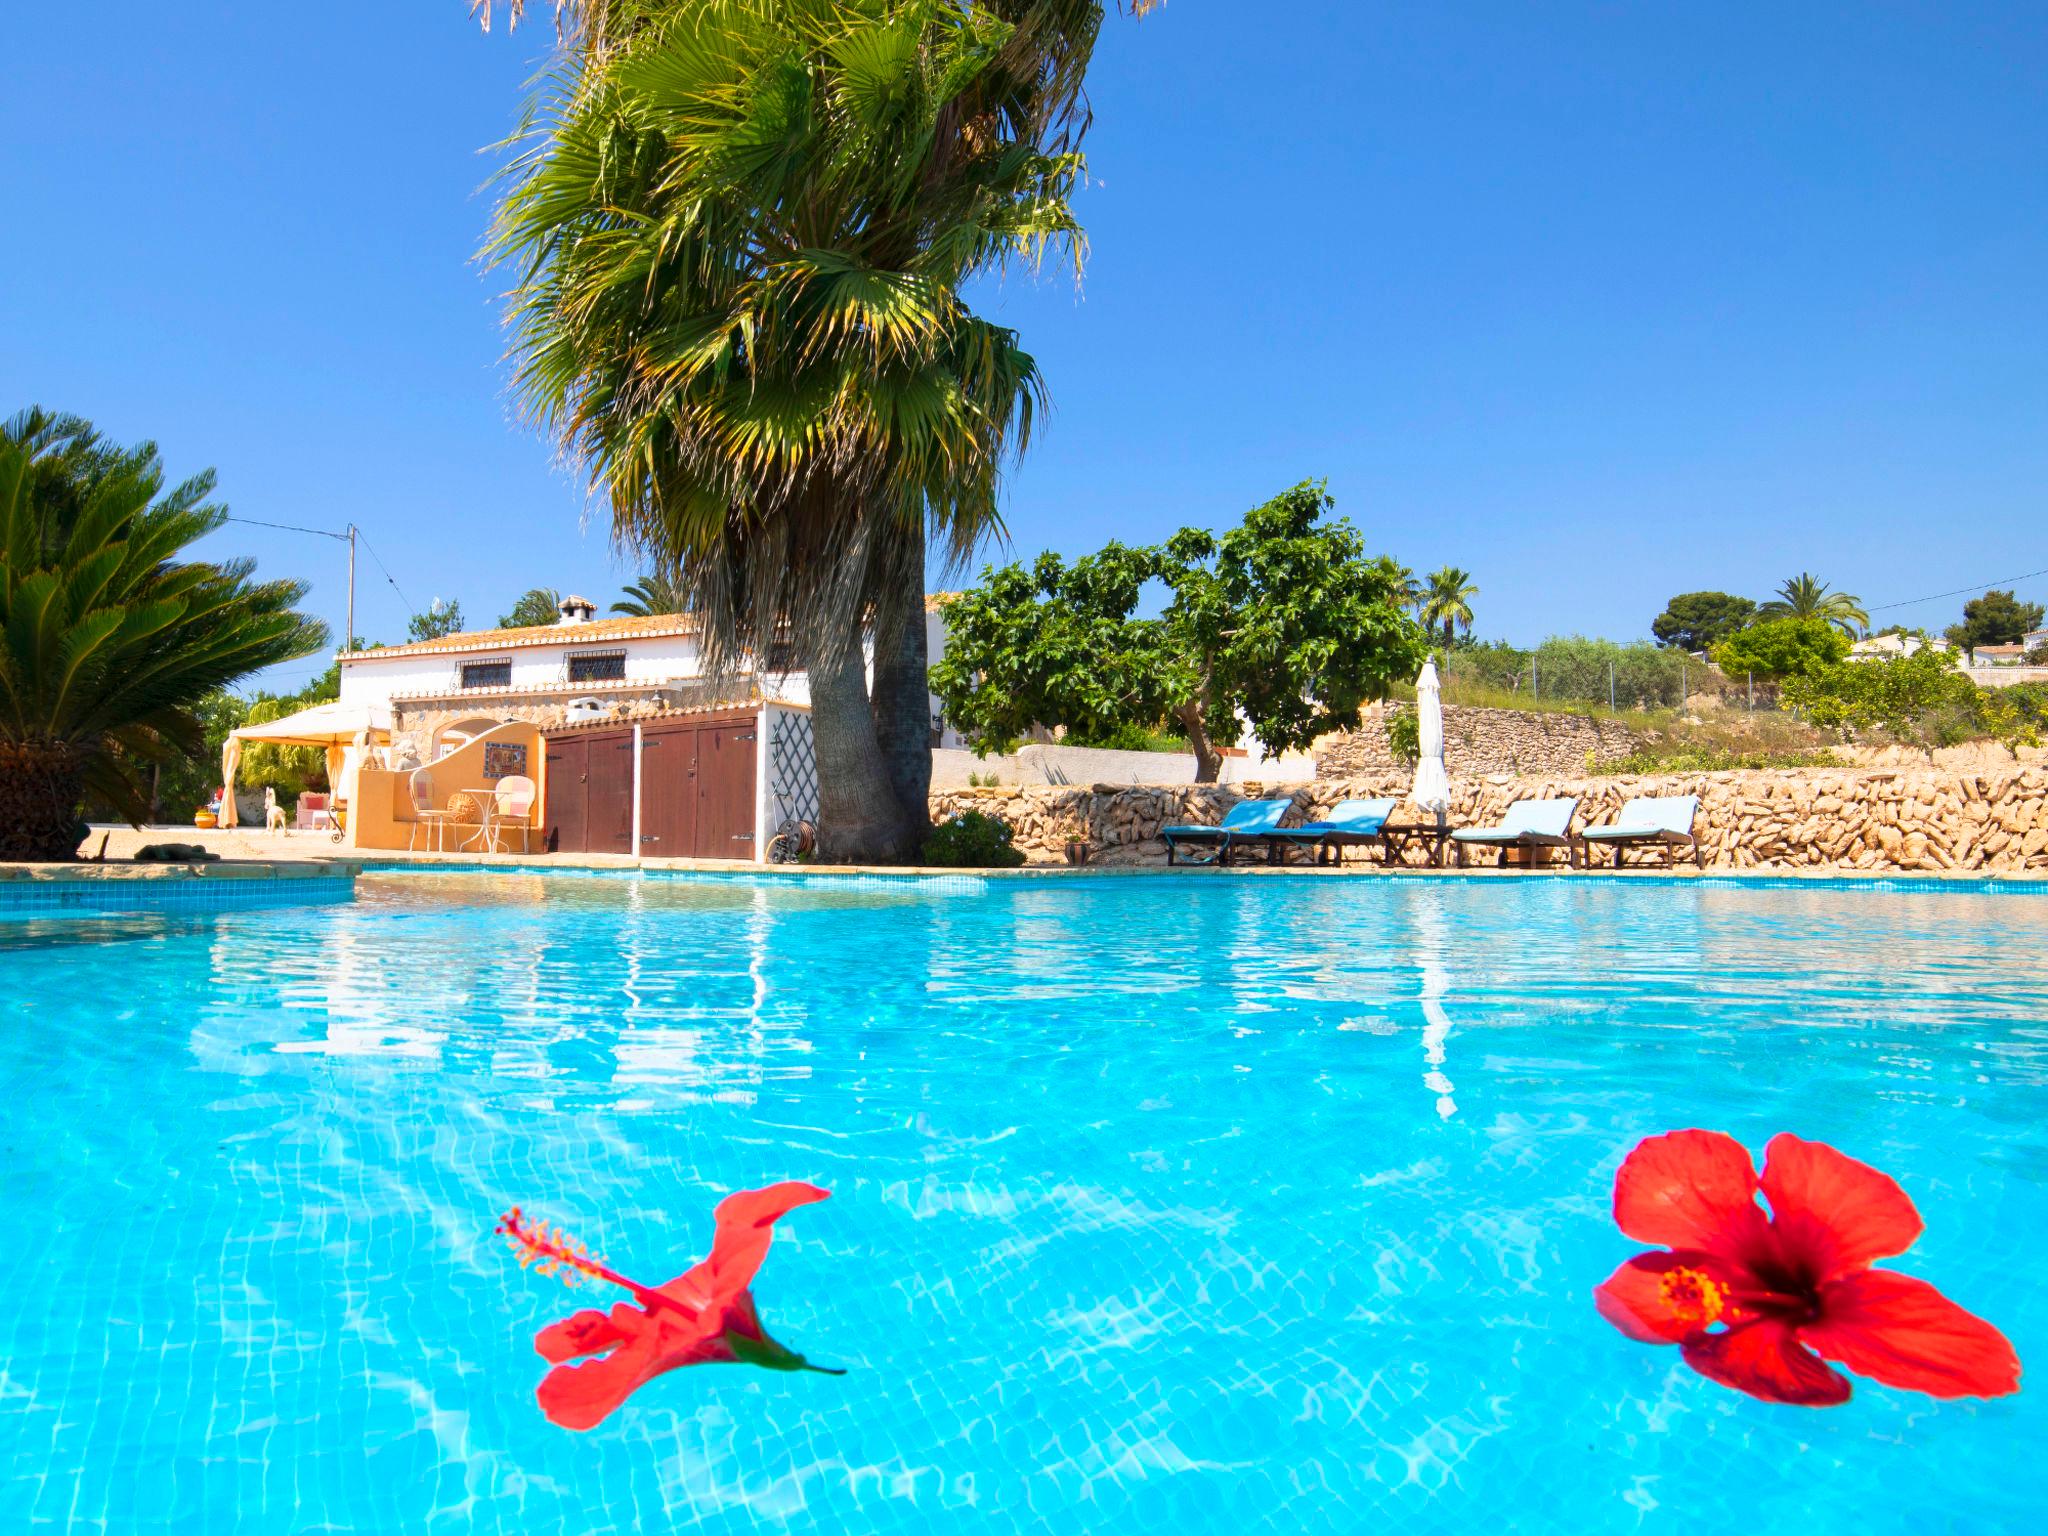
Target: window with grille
(487, 674)
(598, 667)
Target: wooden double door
(696, 790)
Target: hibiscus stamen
(559, 1255)
(1693, 1295)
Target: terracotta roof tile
(595, 631)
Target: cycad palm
(107, 640)
(742, 240)
(1447, 601)
(1806, 596)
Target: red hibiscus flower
(1761, 1303)
(705, 1317)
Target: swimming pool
(1181, 1204)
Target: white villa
(580, 668)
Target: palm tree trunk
(859, 818)
(41, 785)
(902, 696)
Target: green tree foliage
(1922, 698)
(742, 231)
(1693, 621)
(536, 606)
(1284, 621)
(1574, 667)
(439, 621)
(1806, 596)
(1446, 603)
(1780, 648)
(187, 782)
(109, 642)
(1892, 692)
(1996, 618)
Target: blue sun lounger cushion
(1248, 820)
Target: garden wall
(1480, 741)
(1869, 819)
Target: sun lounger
(1248, 821)
(1528, 824)
(1348, 824)
(1665, 821)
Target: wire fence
(1598, 674)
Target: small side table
(1396, 837)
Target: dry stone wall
(1927, 820)
(1481, 741)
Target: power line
(257, 522)
(1982, 586)
(414, 612)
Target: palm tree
(536, 606)
(742, 235)
(108, 642)
(1806, 596)
(657, 592)
(1407, 587)
(1447, 601)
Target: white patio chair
(425, 813)
(510, 805)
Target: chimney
(576, 610)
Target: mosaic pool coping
(43, 890)
(2010, 882)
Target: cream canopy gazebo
(346, 732)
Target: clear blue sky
(1601, 302)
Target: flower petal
(1687, 1189)
(1830, 1211)
(581, 1396)
(746, 1223)
(1766, 1360)
(586, 1333)
(1904, 1333)
(1634, 1298)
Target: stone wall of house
(1862, 819)
(1479, 741)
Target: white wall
(369, 678)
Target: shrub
(1894, 693)
(1404, 736)
(1779, 649)
(1920, 698)
(1679, 758)
(972, 840)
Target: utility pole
(350, 643)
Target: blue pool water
(1187, 1205)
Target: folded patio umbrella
(1432, 791)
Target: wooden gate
(590, 792)
(696, 789)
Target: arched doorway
(461, 733)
